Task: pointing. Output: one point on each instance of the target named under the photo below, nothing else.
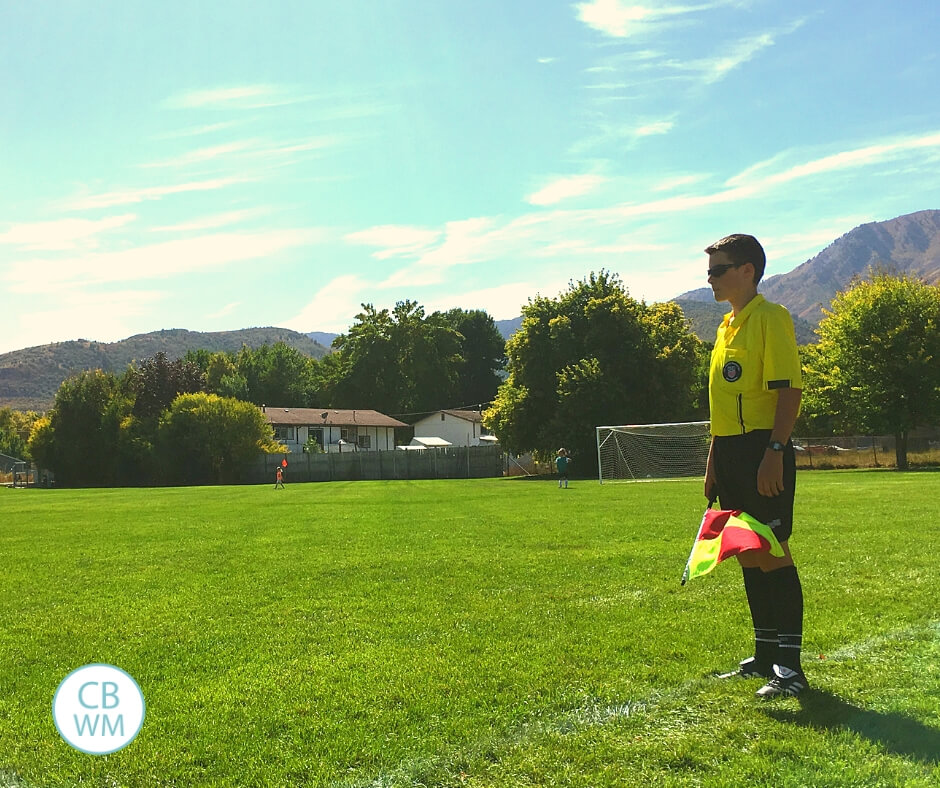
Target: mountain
(906, 244)
(29, 378)
(508, 327)
(911, 244)
(707, 315)
(322, 338)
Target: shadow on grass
(897, 733)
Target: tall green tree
(395, 361)
(276, 375)
(155, 382)
(593, 356)
(204, 438)
(79, 441)
(876, 367)
(483, 352)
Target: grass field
(465, 633)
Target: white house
(335, 430)
(458, 427)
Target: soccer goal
(636, 452)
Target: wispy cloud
(203, 155)
(865, 156)
(394, 240)
(622, 19)
(565, 188)
(717, 68)
(198, 131)
(212, 222)
(102, 316)
(158, 261)
(677, 182)
(225, 310)
(147, 193)
(654, 128)
(235, 98)
(62, 234)
(333, 307)
(249, 150)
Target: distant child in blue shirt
(561, 463)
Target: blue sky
(219, 165)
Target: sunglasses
(722, 269)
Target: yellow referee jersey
(755, 354)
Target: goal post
(635, 452)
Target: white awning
(431, 443)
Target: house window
(349, 434)
(315, 434)
(365, 441)
(282, 433)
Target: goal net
(652, 451)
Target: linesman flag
(724, 533)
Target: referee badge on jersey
(731, 371)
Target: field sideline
(468, 633)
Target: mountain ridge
(909, 244)
(29, 378)
(906, 244)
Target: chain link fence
(862, 451)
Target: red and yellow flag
(726, 533)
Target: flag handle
(688, 564)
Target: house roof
(329, 417)
(466, 415)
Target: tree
(398, 361)
(206, 438)
(223, 377)
(277, 375)
(593, 356)
(155, 382)
(80, 438)
(15, 428)
(483, 351)
(876, 367)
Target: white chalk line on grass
(594, 715)
(584, 717)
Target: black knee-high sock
(760, 601)
(787, 599)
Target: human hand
(711, 484)
(770, 474)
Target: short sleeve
(781, 358)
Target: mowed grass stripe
(336, 633)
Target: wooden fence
(458, 462)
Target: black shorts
(736, 459)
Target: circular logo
(731, 371)
(98, 709)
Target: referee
(755, 388)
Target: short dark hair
(742, 249)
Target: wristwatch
(776, 446)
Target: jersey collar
(736, 321)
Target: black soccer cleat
(785, 682)
(749, 668)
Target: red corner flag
(284, 463)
